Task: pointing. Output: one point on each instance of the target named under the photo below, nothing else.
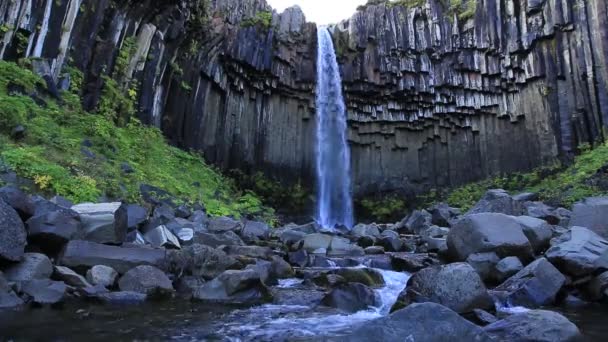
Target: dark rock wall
(432, 101)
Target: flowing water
(333, 155)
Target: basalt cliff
(434, 98)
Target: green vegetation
(53, 153)
(556, 184)
(386, 209)
(261, 20)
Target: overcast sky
(321, 11)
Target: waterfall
(334, 202)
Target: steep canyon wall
(432, 100)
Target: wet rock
(12, 234)
(351, 297)
(408, 262)
(536, 285)
(484, 264)
(199, 261)
(85, 254)
(148, 280)
(537, 231)
(457, 286)
(328, 280)
(534, 325)
(45, 291)
(18, 200)
(161, 236)
(299, 258)
(366, 230)
(102, 275)
(33, 266)
(290, 237)
(234, 287)
(103, 222)
(365, 276)
(591, 213)
(122, 298)
(342, 247)
(69, 277)
(51, 230)
(216, 240)
(280, 268)
(8, 299)
(488, 232)
(374, 250)
(224, 224)
(313, 242)
(597, 288)
(390, 244)
(577, 251)
(483, 318)
(506, 268)
(429, 322)
(497, 201)
(253, 231)
(249, 251)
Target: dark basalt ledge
(431, 101)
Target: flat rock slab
(535, 325)
(85, 254)
(33, 266)
(103, 222)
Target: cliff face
(432, 101)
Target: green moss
(50, 154)
(555, 184)
(262, 20)
(384, 209)
(463, 9)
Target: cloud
(321, 11)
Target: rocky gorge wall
(432, 100)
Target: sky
(321, 12)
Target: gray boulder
(45, 291)
(136, 216)
(456, 286)
(122, 298)
(536, 285)
(8, 299)
(341, 247)
(443, 215)
(488, 232)
(161, 236)
(597, 288)
(237, 287)
(484, 264)
(148, 280)
(84, 254)
(497, 201)
(12, 234)
(102, 275)
(18, 200)
(314, 242)
(258, 252)
(70, 277)
(428, 322)
(591, 213)
(416, 222)
(537, 231)
(103, 222)
(199, 261)
(370, 230)
(577, 251)
(506, 268)
(410, 262)
(228, 238)
(254, 230)
(351, 297)
(224, 224)
(534, 325)
(53, 229)
(33, 266)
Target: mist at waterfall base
(334, 200)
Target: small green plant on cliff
(463, 9)
(386, 209)
(261, 20)
(79, 155)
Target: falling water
(333, 155)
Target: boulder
(351, 297)
(216, 240)
(497, 201)
(409, 262)
(122, 298)
(102, 275)
(298, 258)
(374, 250)
(536, 285)
(136, 216)
(428, 322)
(183, 211)
(483, 318)
(18, 200)
(577, 251)
(199, 261)
(258, 252)
(365, 276)
(103, 222)
(148, 280)
(342, 247)
(224, 224)
(85, 254)
(8, 299)
(541, 211)
(457, 286)
(369, 230)
(488, 232)
(33, 266)
(597, 288)
(483, 263)
(281, 268)
(390, 244)
(253, 231)
(534, 325)
(313, 242)
(161, 236)
(62, 202)
(591, 213)
(236, 287)
(416, 222)
(70, 277)
(506, 268)
(12, 234)
(51, 230)
(45, 291)
(538, 232)
(442, 214)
